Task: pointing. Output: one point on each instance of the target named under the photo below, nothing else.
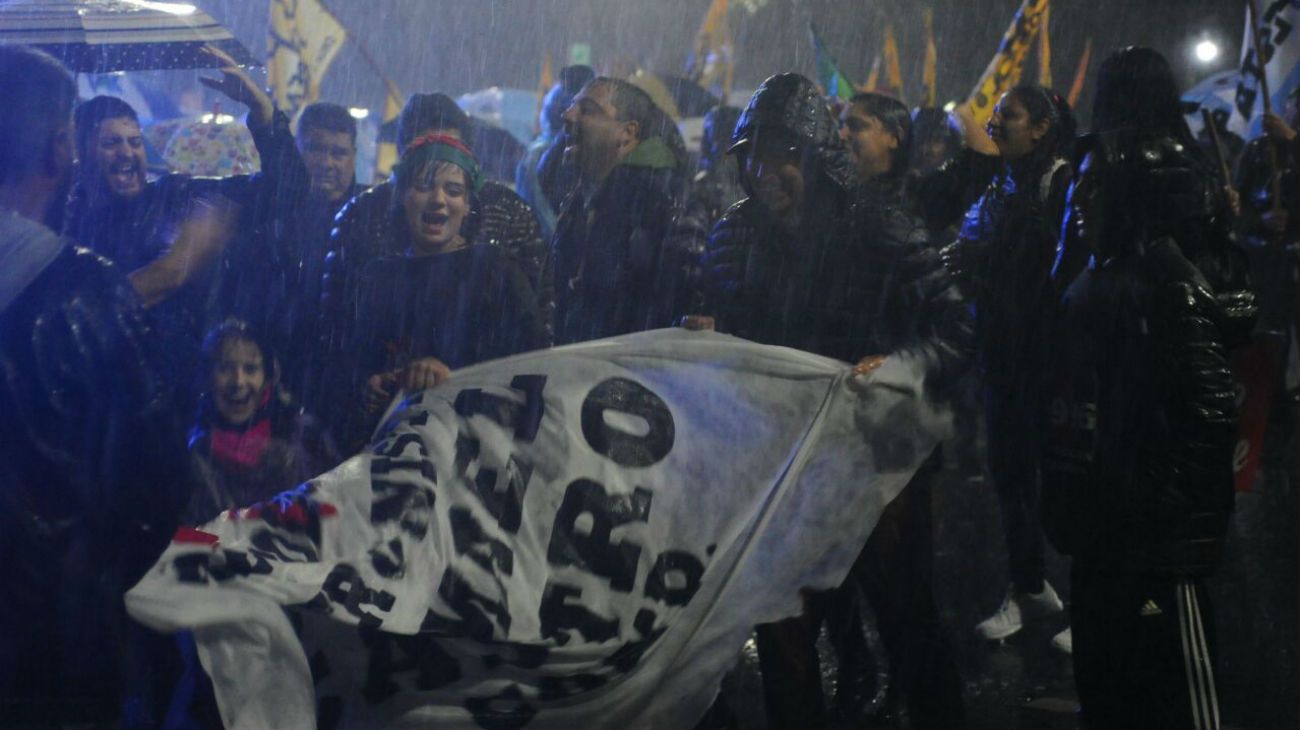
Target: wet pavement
(1023, 682)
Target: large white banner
(1279, 40)
(579, 537)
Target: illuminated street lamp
(1206, 51)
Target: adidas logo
(1150, 609)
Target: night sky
(462, 45)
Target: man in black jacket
(1138, 446)
(91, 457)
(814, 260)
(133, 223)
(621, 250)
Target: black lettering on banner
(675, 578)
(558, 617)
(592, 551)
(505, 711)
(476, 610)
(420, 467)
(388, 560)
(504, 501)
(470, 539)
(525, 420)
(271, 545)
(220, 566)
(410, 503)
(620, 396)
(399, 444)
(629, 655)
(345, 588)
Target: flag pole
(1275, 179)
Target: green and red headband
(438, 148)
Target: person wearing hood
(1138, 443)
(445, 302)
(813, 260)
(543, 178)
(132, 221)
(622, 254)
(92, 463)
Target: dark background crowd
(175, 347)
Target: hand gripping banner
(578, 537)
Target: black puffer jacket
(92, 477)
(1180, 197)
(623, 259)
(1141, 421)
(855, 279)
(365, 231)
(1002, 260)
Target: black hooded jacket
(856, 279)
(92, 478)
(1140, 424)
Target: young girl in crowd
(249, 441)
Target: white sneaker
(1064, 641)
(1015, 608)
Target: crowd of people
(173, 348)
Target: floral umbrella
(213, 145)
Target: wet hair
(1136, 88)
(233, 329)
(38, 95)
(631, 104)
(90, 114)
(424, 112)
(1042, 103)
(327, 117)
(895, 118)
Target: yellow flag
(303, 38)
(1080, 73)
(1008, 61)
(387, 154)
(712, 62)
(929, 74)
(893, 70)
(1045, 50)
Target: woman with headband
(442, 303)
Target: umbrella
(95, 36)
(213, 145)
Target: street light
(1207, 51)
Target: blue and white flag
(1279, 40)
(581, 537)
